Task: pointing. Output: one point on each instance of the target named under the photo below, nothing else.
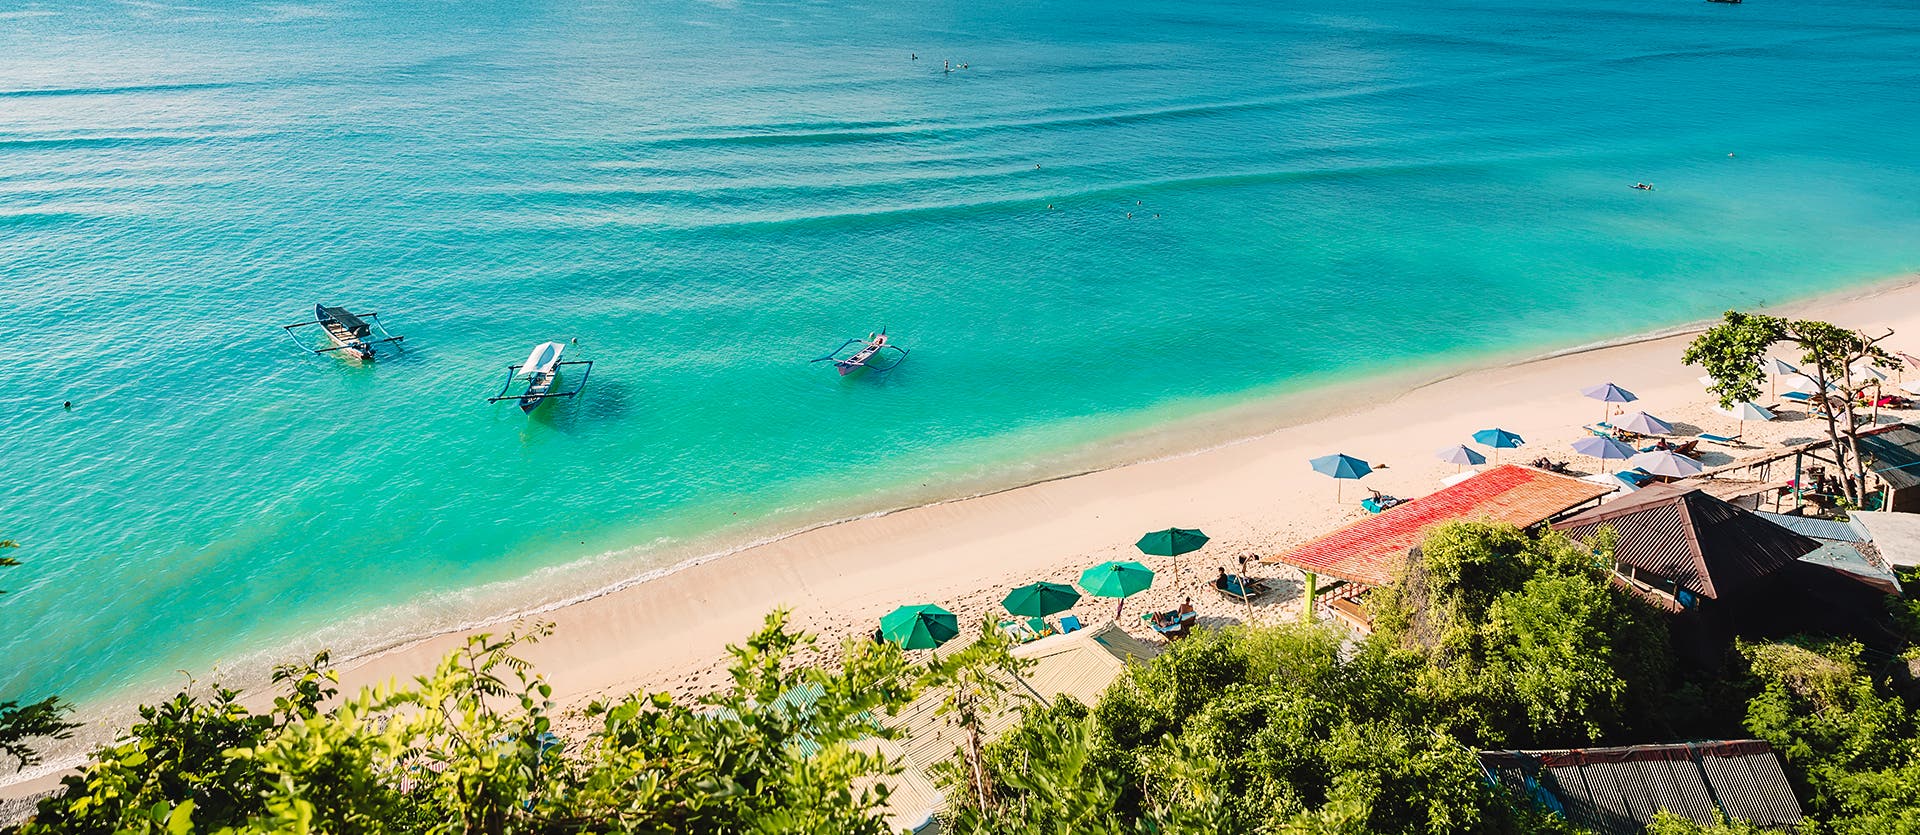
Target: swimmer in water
(68, 405)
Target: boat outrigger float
(863, 358)
(541, 371)
(347, 331)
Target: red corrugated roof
(1369, 550)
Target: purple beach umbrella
(1604, 448)
(1646, 424)
(1608, 393)
(1667, 463)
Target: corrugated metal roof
(1617, 791)
(1706, 545)
(1894, 456)
(1369, 550)
(1816, 528)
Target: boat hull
(539, 386)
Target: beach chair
(1724, 440)
(1171, 631)
(1069, 624)
(1239, 588)
(1019, 632)
(1040, 628)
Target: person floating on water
(916, 56)
(68, 405)
(1643, 186)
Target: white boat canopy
(543, 358)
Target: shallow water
(708, 195)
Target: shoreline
(670, 624)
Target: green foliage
(1849, 742)
(973, 684)
(468, 748)
(1526, 642)
(1733, 353)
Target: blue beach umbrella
(1461, 454)
(1608, 393)
(1341, 467)
(1498, 439)
(1604, 448)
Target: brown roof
(1619, 790)
(1707, 546)
(1369, 550)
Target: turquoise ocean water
(706, 195)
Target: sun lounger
(1727, 440)
(1069, 624)
(1240, 588)
(1041, 628)
(1175, 630)
(1021, 633)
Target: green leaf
(181, 821)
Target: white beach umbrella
(1779, 368)
(1646, 424)
(1744, 411)
(1911, 386)
(1665, 462)
(1865, 372)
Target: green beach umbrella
(1172, 542)
(1040, 599)
(919, 627)
(1116, 579)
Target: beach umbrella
(1604, 448)
(1172, 542)
(1498, 439)
(1866, 372)
(1040, 599)
(1780, 368)
(1666, 462)
(1461, 454)
(1608, 393)
(1646, 424)
(1341, 467)
(1744, 411)
(1911, 387)
(919, 627)
(1118, 579)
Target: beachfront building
(1077, 665)
(1617, 791)
(1365, 554)
(1724, 571)
(1892, 456)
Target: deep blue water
(707, 195)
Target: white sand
(1251, 497)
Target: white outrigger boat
(349, 332)
(869, 351)
(541, 372)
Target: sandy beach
(1252, 497)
